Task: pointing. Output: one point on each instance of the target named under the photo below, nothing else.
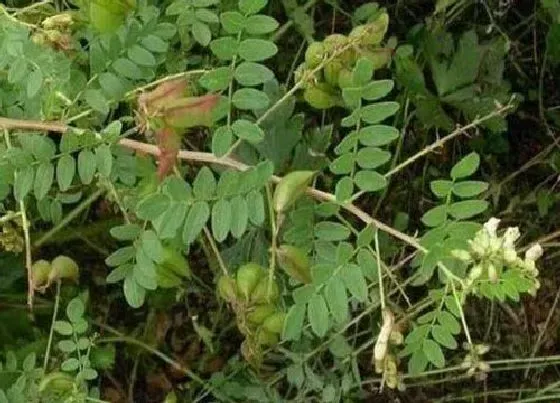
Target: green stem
(69, 218)
(51, 332)
(274, 227)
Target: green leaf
(111, 85)
(372, 157)
(154, 43)
(222, 140)
(104, 159)
(204, 185)
(466, 167)
(377, 112)
(362, 72)
(260, 24)
(65, 170)
(126, 232)
(217, 79)
(29, 362)
(120, 256)
(119, 273)
(86, 166)
(248, 131)
(141, 56)
(207, 16)
(368, 264)
(417, 363)
(250, 98)
(255, 50)
(449, 322)
(377, 89)
(239, 216)
(224, 48)
(293, 324)
(331, 231)
(344, 189)
(221, 219)
(354, 281)
(62, 327)
(469, 188)
(169, 222)
(43, 180)
(34, 83)
(318, 315)
(251, 6)
(433, 353)
(370, 181)
(255, 203)
(377, 135)
(152, 206)
(444, 337)
(201, 33)
(133, 292)
(97, 101)
(75, 310)
(468, 208)
(70, 365)
(337, 299)
(127, 68)
(441, 188)
(196, 220)
(435, 216)
(233, 22)
(250, 74)
(343, 164)
(151, 246)
(144, 272)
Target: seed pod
(266, 338)
(260, 294)
(259, 314)
(227, 288)
(334, 42)
(64, 267)
(314, 54)
(320, 96)
(295, 262)
(189, 112)
(41, 270)
(331, 72)
(345, 78)
(56, 382)
(175, 262)
(379, 57)
(290, 188)
(378, 29)
(382, 344)
(248, 277)
(275, 323)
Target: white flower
(512, 234)
(534, 252)
(510, 255)
(492, 226)
(492, 273)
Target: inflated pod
(248, 277)
(261, 295)
(275, 323)
(64, 267)
(41, 270)
(227, 288)
(260, 313)
(290, 188)
(314, 54)
(295, 262)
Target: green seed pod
(314, 54)
(345, 78)
(295, 262)
(379, 29)
(227, 288)
(64, 267)
(331, 72)
(248, 277)
(320, 96)
(259, 314)
(379, 57)
(260, 294)
(290, 188)
(56, 382)
(275, 323)
(174, 261)
(266, 338)
(41, 270)
(333, 42)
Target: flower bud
(491, 226)
(534, 252)
(512, 234)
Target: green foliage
(268, 187)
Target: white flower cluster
(490, 254)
